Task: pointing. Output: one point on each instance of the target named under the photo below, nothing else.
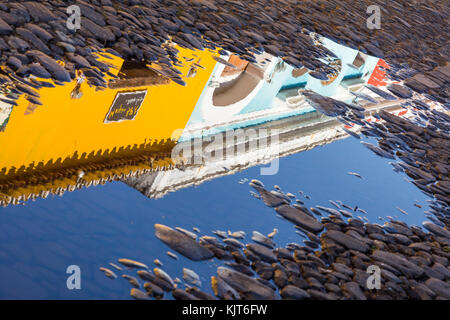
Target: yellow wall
(63, 125)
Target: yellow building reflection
(81, 136)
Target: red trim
(378, 76)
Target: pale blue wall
(264, 98)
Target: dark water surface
(94, 226)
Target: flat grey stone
(300, 218)
(249, 287)
(182, 243)
(291, 292)
(435, 229)
(4, 27)
(39, 12)
(347, 241)
(263, 252)
(400, 263)
(353, 290)
(439, 287)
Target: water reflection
(81, 137)
(130, 132)
(126, 129)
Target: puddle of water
(94, 226)
(97, 225)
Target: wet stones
(346, 241)
(4, 27)
(248, 287)
(373, 228)
(325, 105)
(261, 239)
(395, 227)
(342, 268)
(400, 238)
(290, 266)
(403, 253)
(138, 294)
(109, 273)
(115, 266)
(14, 62)
(434, 272)
(38, 71)
(187, 232)
(229, 27)
(398, 262)
(38, 11)
(291, 292)
(273, 233)
(422, 80)
(224, 62)
(160, 282)
(436, 229)
(18, 44)
(191, 277)
(280, 278)
(182, 243)
(66, 46)
(439, 268)
(223, 290)
(328, 210)
(439, 287)
(158, 262)
(237, 234)
(172, 255)
(269, 198)
(78, 60)
(233, 242)
(208, 240)
(409, 269)
(179, 294)
(39, 32)
(100, 33)
(400, 91)
(153, 290)
(132, 264)
(132, 280)
(240, 268)
(263, 252)
(29, 36)
(165, 277)
(311, 244)
(421, 291)
(353, 291)
(220, 253)
(300, 218)
(55, 69)
(200, 294)
(263, 269)
(378, 151)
